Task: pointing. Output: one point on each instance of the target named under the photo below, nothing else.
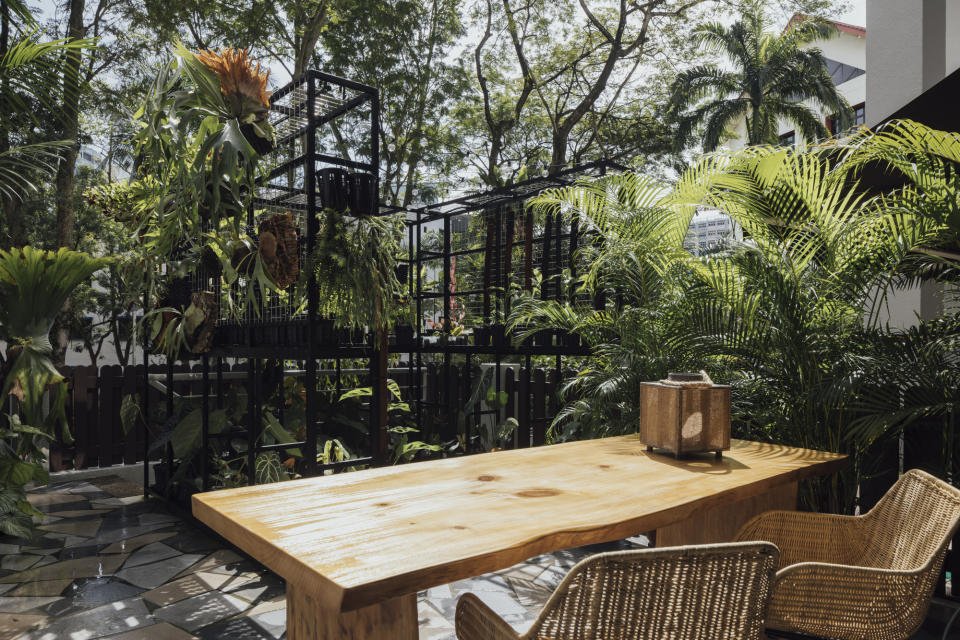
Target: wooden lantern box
(685, 420)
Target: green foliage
(771, 75)
(354, 261)
(788, 316)
(34, 285)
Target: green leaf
(129, 412)
(268, 468)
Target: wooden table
(356, 548)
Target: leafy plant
(34, 285)
(771, 76)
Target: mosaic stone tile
(161, 631)
(7, 587)
(82, 513)
(86, 528)
(42, 588)
(273, 604)
(14, 624)
(18, 562)
(432, 623)
(151, 553)
(199, 611)
(261, 588)
(112, 618)
(212, 561)
(486, 582)
(186, 587)
(46, 499)
(79, 552)
(132, 544)
(44, 561)
(529, 593)
(236, 629)
(151, 576)
(122, 533)
(98, 591)
(273, 622)
(195, 542)
(115, 502)
(155, 518)
(20, 605)
(91, 567)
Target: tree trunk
(16, 235)
(65, 182)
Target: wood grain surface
(361, 538)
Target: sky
(857, 14)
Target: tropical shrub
(34, 285)
(788, 315)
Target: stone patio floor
(107, 563)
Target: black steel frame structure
(554, 241)
(278, 330)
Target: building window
(788, 139)
(859, 117)
(841, 72)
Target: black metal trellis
(309, 117)
(548, 247)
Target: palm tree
(29, 83)
(771, 76)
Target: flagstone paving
(106, 564)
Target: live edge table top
(360, 538)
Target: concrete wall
(913, 45)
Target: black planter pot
(402, 270)
(404, 333)
(334, 187)
(498, 335)
(271, 334)
(362, 201)
(178, 293)
(258, 338)
(571, 340)
(481, 337)
(543, 338)
(161, 476)
(261, 145)
(291, 334)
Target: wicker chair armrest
(476, 621)
(853, 603)
(805, 537)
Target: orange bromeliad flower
(243, 84)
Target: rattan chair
(866, 577)
(711, 592)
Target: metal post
(251, 419)
(146, 405)
(205, 424)
(313, 227)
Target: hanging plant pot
(404, 334)
(200, 320)
(278, 245)
(260, 138)
(362, 196)
(334, 187)
(210, 266)
(178, 293)
(498, 334)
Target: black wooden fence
(96, 394)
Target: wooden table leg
(394, 619)
(721, 523)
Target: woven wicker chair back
(716, 592)
(911, 524)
